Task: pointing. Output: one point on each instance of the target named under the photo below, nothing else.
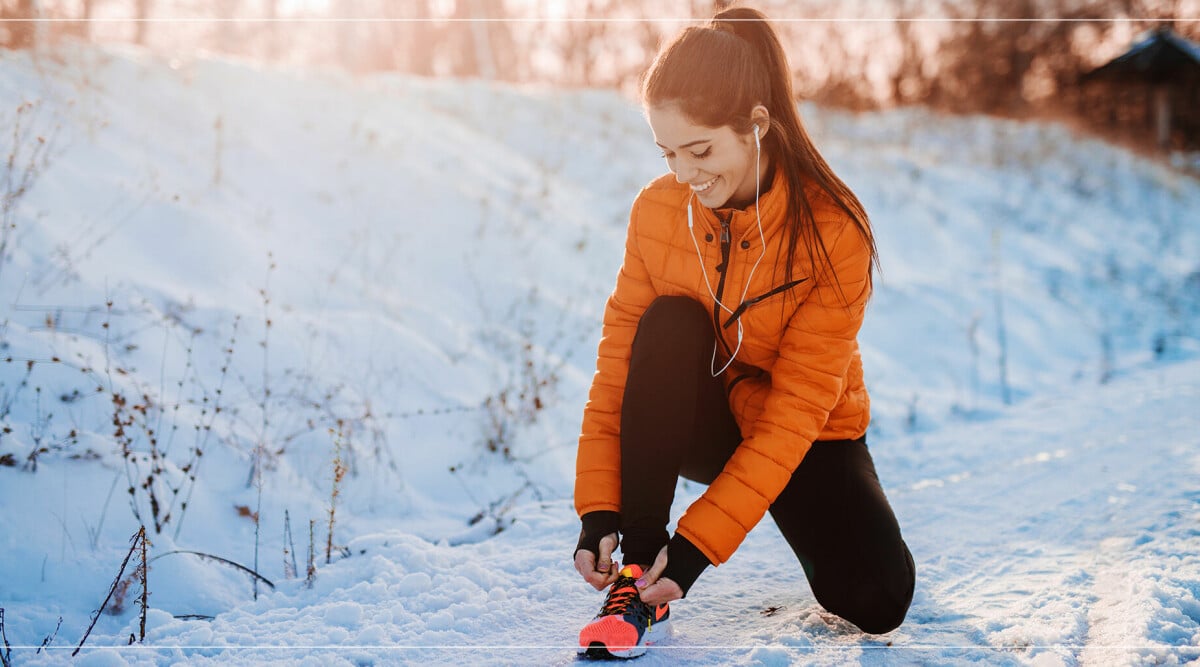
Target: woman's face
(716, 162)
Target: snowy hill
(408, 275)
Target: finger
(608, 544)
(661, 591)
(656, 569)
(585, 566)
(585, 562)
(601, 580)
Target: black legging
(676, 421)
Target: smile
(705, 186)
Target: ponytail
(717, 74)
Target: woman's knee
(674, 314)
(674, 326)
(876, 604)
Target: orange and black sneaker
(625, 625)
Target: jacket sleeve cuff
(685, 562)
(595, 526)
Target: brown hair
(717, 74)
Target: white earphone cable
(762, 253)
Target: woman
(729, 355)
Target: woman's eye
(698, 156)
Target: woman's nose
(684, 172)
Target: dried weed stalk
(139, 538)
(339, 472)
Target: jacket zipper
(742, 309)
(723, 269)
(761, 297)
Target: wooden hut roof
(1160, 57)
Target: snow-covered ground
(425, 263)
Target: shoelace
(621, 597)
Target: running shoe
(625, 625)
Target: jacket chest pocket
(765, 316)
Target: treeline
(1009, 64)
(994, 56)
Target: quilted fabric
(796, 378)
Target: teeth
(704, 186)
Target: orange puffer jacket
(797, 378)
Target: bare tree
(911, 80)
(419, 38)
(407, 45)
(983, 62)
(595, 50)
(1005, 66)
(480, 42)
(349, 50)
(142, 9)
(580, 41)
(271, 13)
(21, 30)
(461, 48)
(226, 25)
(88, 10)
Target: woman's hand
(654, 588)
(599, 573)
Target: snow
(433, 258)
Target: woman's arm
(598, 462)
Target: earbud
(756, 131)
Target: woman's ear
(761, 119)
